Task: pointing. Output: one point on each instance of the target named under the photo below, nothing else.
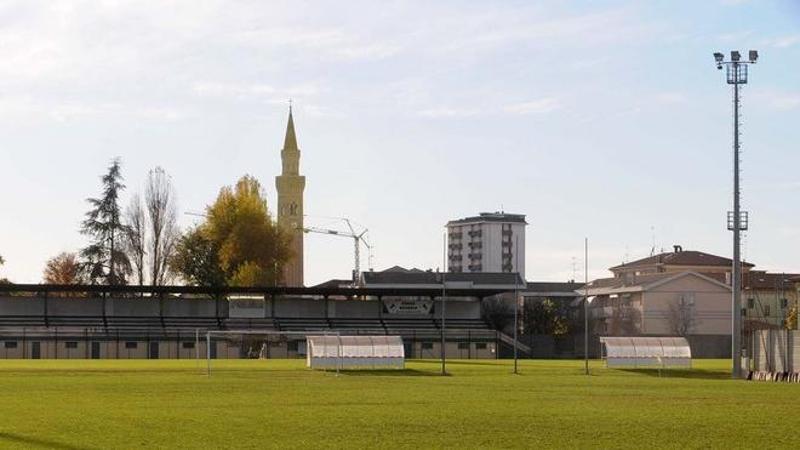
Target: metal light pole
(737, 219)
(516, 301)
(444, 294)
(586, 306)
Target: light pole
(444, 296)
(516, 301)
(586, 306)
(736, 71)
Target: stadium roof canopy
(420, 290)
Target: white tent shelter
(355, 352)
(646, 352)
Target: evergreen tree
(104, 260)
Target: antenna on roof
(652, 240)
(574, 268)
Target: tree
(196, 259)
(3, 280)
(135, 237)
(790, 323)
(103, 260)
(238, 244)
(63, 268)
(159, 199)
(497, 313)
(252, 249)
(544, 318)
(680, 317)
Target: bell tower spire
(290, 186)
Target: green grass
(67, 404)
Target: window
(480, 346)
(751, 303)
(784, 303)
(10, 344)
(71, 344)
(766, 310)
(131, 345)
(427, 345)
(188, 345)
(291, 346)
(744, 312)
(463, 345)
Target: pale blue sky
(598, 119)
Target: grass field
(255, 404)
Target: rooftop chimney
(677, 248)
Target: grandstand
(80, 321)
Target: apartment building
(488, 242)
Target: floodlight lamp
(753, 56)
(735, 56)
(718, 57)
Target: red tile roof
(760, 279)
(681, 258)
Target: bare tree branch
(680, 316)
(135, 236)
(159, 199)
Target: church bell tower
(290, 185)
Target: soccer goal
(257, 344)
(323, 350)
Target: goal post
(266, 344)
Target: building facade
(489, 242)
(769, 299)
(290, 186)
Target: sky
(604, 120)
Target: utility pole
(736, 74)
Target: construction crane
(359, 238)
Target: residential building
(687, 293)
(666, 303)
(768, 298)
(489, 242)
(678, 260)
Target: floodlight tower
(737, 219)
